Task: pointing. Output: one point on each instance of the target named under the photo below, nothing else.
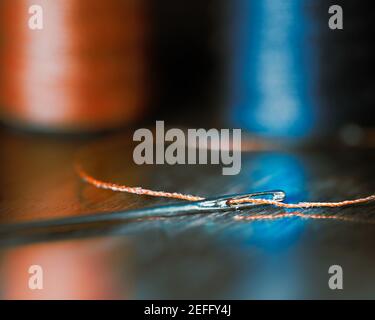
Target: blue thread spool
(291, 76)
(272, 65)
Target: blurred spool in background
(291, 76)
(85, 70)
(269, 81)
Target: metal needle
(210, 205)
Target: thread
(307, 205)
(248, 144)
(135, 190)
(271, 217)
(141, 191)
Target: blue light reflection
(270, 248)
(283, 172)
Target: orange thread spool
(85, 70)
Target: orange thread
(141, 191)
(136, 190)
(306, 205)
(270, 217)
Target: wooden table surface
(200, 256)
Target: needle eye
(229, 202)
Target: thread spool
(292, 76)
(85, 70)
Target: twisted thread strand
(301, 205)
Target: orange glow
(71, 270)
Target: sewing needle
(210, 205)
